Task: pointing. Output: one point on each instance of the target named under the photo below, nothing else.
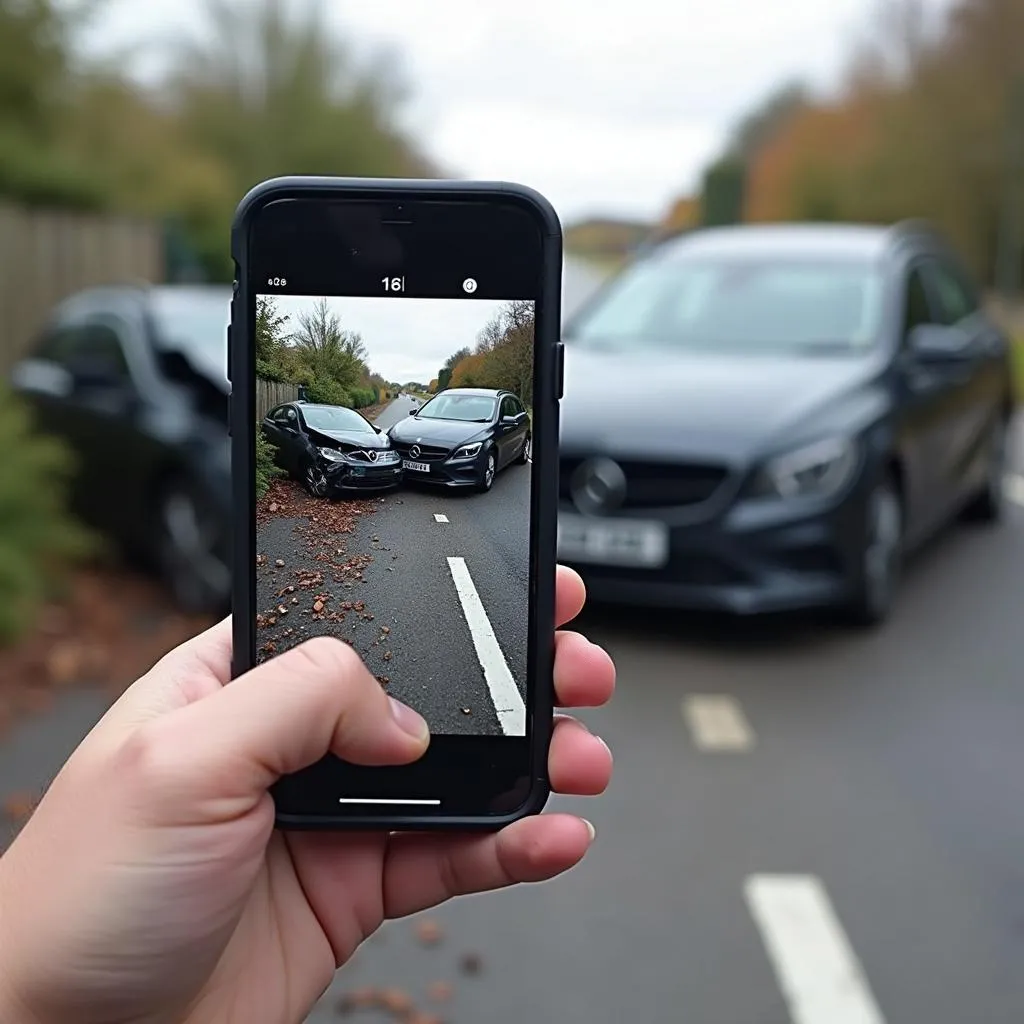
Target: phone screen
(395, 358)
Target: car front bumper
(345, 478)
(446, 472)
(755, 558)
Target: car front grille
(428, 452)
(651, 485)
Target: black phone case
(544, 482)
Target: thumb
(219, 754)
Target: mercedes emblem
(598, 486)
(371, 455)
(415, 451)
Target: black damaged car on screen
(463, 437)
(330, 449)
(816, 402)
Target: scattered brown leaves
(429, 932)
(110, 629)
(471, 963)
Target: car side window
(917, 305)
(101, 343)
(59, 344)
(291, 417)
(517, 407)
(955, 298)
(507, 407)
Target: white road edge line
(505, 695)
(440, 517)
(1013, 488)
(717, 723)
(821, 978)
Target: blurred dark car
(463, 437)
(134, 381)
(331, 449)
(769, 418)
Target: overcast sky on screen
(606, 107)
(407, 340)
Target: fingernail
(601, 740)
(408, 720)
(590, 829)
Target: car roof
(318, 405)
(865, 241)
(478, 392)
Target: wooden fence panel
(270, 393)
(47, 255)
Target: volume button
(559, 371)
(229, 353)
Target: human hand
(150, 884)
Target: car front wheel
(192, 550)
(881, 557)
(314, 480)
(487, 471)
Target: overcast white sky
(607, 106)
(406, 339)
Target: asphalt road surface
(795, 810)
(440, 612)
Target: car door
(506, 430)
(978, 374)
(98, 413)
(930, 397)
(523, 429)
(273, 430)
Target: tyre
(524, 455)
(987, 506)
(487, 471)
(881, 560)
(193, 550)
(314, 481)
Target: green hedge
(39, 540)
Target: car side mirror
(509, 421)
(938, 343)
(378, 430)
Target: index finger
(570, 595)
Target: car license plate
(419, 467)
(631, 542)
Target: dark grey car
(134, 381)
(769, 418)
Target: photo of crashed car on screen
(458, 439)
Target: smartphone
(396, 370)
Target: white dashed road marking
(1013, 484)
(440, 517)
(505, 695)
(818, 971)
(717, 723)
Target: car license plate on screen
(635, 542)
(418, 467)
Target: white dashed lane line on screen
(505, 695)
(440, 517)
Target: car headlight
(468, 451)
(388, 456)
(333, 455)
(816, 470)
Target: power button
(559, 371)
(229, 351)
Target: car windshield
(741, 305)
(335, 417)
(194, 321)
(453, 406)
